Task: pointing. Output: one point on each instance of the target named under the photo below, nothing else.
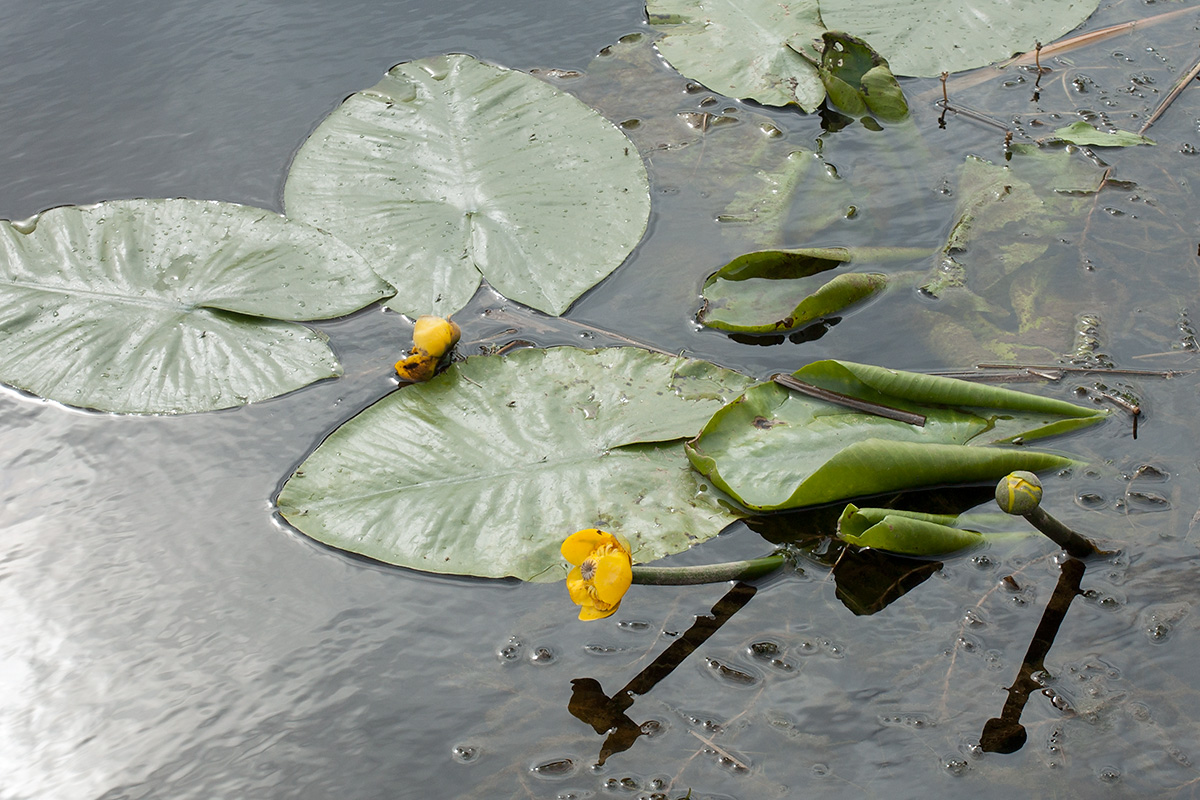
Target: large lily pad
(449, 170)
(488, 467)
(774, 449)
(928, 37)
(170, 306)
(740, 47)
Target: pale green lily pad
(170, 306)
(1082, 133)
(450, 170)
(909, 533)
(774, 449)
(928, 37)
(487, 468)
(739, 48)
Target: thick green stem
(1075, 544)
(708, 573)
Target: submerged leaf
(1082, 133)
(928, 37)
(773, 449)
(451, 170)
(170, 306)
(739, 48)
(481, 470)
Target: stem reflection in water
(607, 714)
(1006, 734)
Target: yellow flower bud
(435, 335)
(1019, 492)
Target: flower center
(588, 568)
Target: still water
(166, 636)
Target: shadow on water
(1005, 734)
(607, 714)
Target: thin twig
(867, 407)
(721, 751)
(1145, 373)
(976, 77)
(1179, 86)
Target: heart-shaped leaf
(487, 468)
(739, 48)
(170, 306)
(449, 170)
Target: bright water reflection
(165, 637)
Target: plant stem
(708, 573)
(1075, 544)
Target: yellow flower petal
(614, 574)
(435, 335)
(418, 367)
(591, 612)
(579, 545)
(577, 587)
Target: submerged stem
(708, 573)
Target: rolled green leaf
(775, 449)
(772, 291)
(908, 533)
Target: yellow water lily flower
(603, 571)
(433, 337)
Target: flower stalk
(707, 573)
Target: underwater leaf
(1005, 270)
(773, 449)
(904, 532)
(487, 468)
(857, 78)
(450, 170)
(170, 306)
(928, 37)
(739, 48)
(1082, 133)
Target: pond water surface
(167, 636)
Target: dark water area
(166, 636)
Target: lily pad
(170, 306)
(739, 48)
(774, 449)
(450, 170)
(928, 37)
(1082, 133)
(485, 469)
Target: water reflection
(1006, 734)
(606, 714)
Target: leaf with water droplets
(170, 306)
(451, 170)
(487, 468)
